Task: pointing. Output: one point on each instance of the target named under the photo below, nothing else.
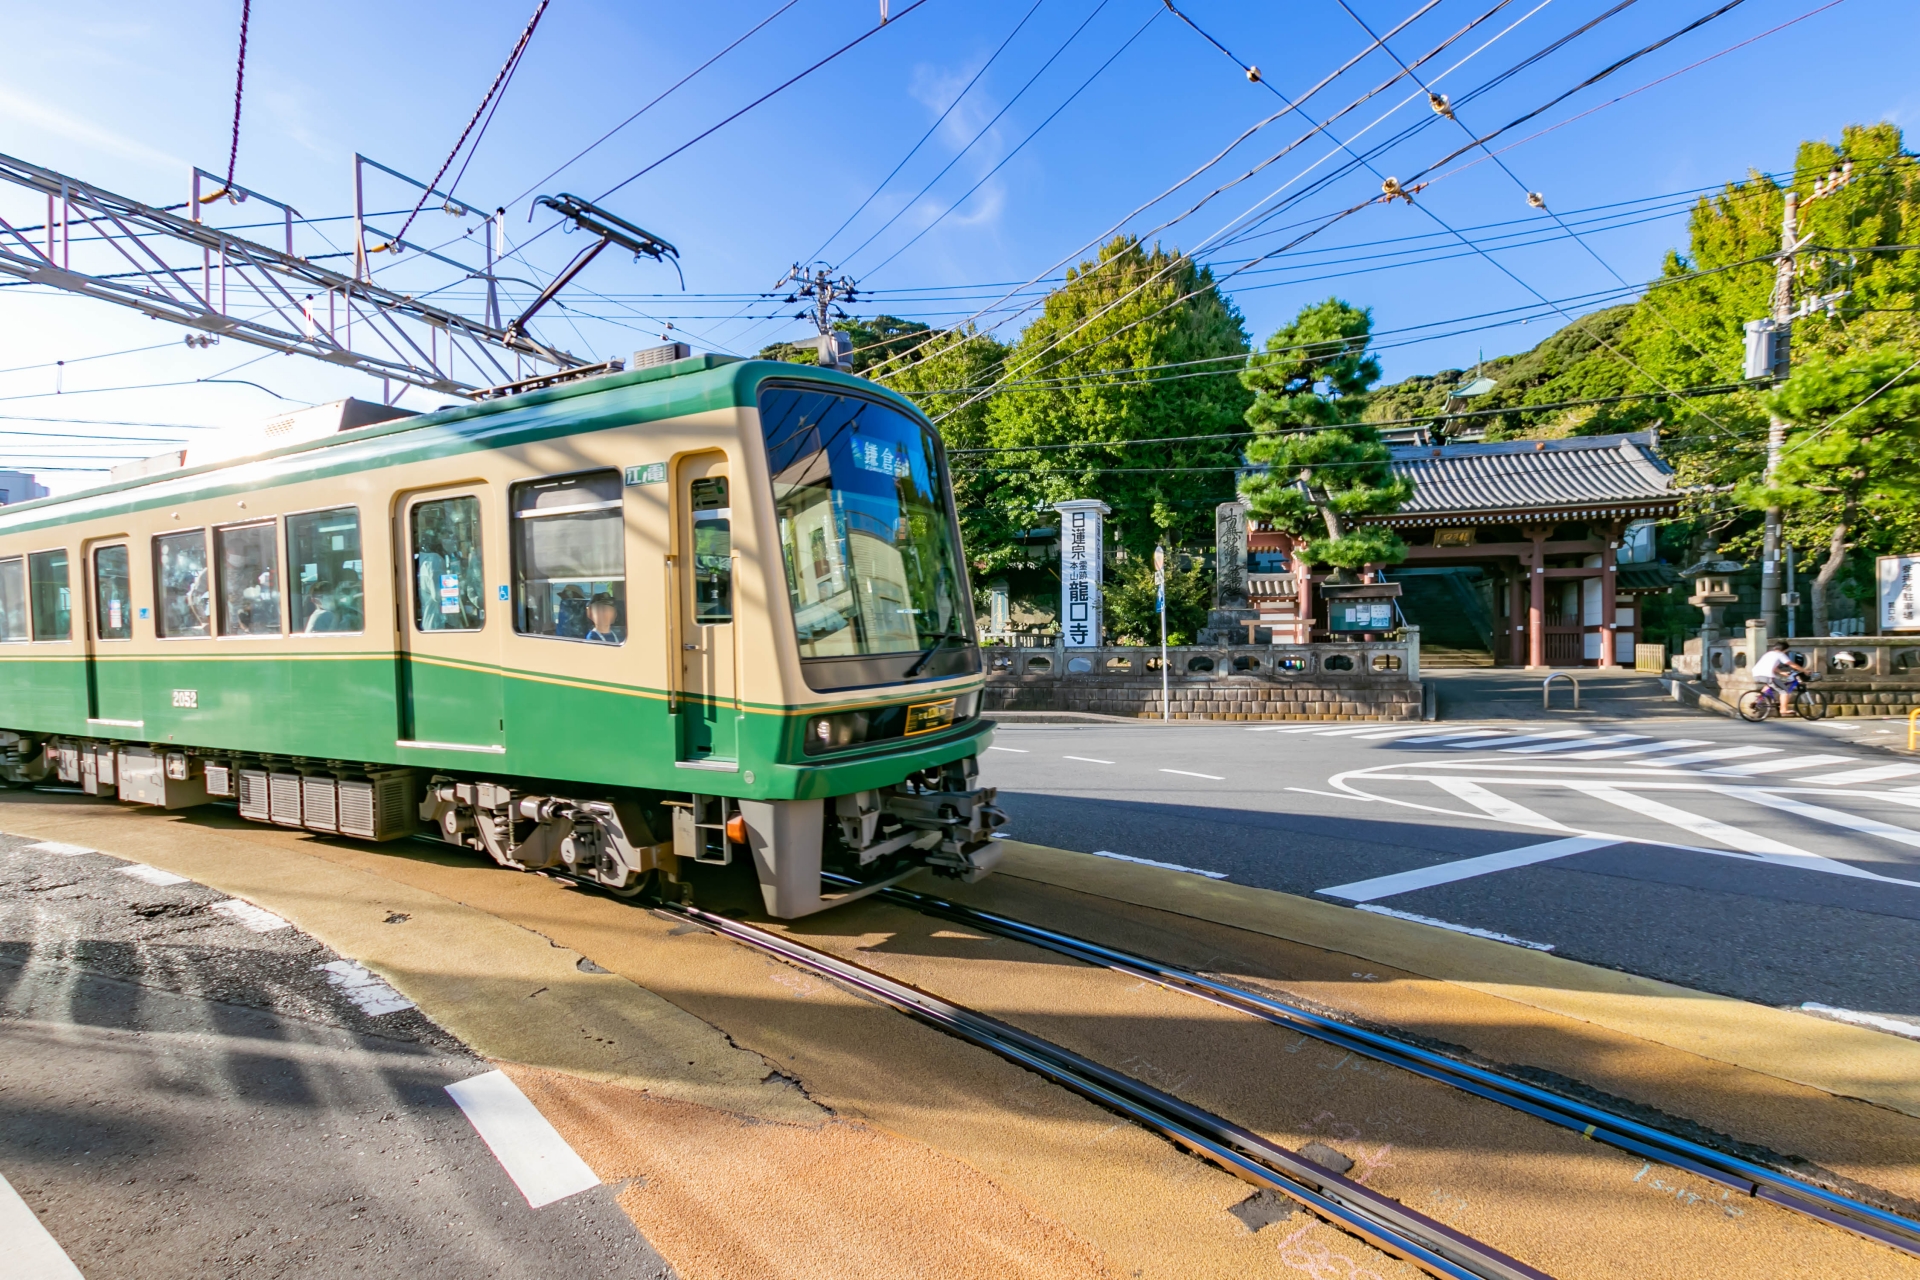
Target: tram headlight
(831, 733)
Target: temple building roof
(1580, 477)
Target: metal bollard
(1546, 690)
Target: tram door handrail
(1546, 690)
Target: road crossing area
(1768, 862)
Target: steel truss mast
(173, 267)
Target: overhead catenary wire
(239, 89)
(499, 80)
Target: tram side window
(323, 560)
(569, 558)
(448, 576)
(112, 594)
(712, 552)
(184, 587)
(13, 599)
(248, 580)
(52, 598)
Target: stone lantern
(1712, 593)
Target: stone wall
(1264, 682)
(1859, 675)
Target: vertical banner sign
(1081, 529)
(1160, 606)
(1899, 578)
(999, 608)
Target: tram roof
(695, 385)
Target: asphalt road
(1778, 863)
(184, 1096)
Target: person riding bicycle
(1777, 668)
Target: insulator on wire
(1441, 104)
(1392, 189)
(1537, 200)
(1253, 74)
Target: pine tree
(1324, 466)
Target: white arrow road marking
(32, 1252)
(1495, 805)
(1463, 869)
(1764, 847)
(530, 1149)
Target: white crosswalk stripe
(1496, 806)
(1697, 824)
(1516, 739)
(1645, 748)
(1821, 813)
(1722, 753)
(1879, 773)
(1463, 869)
(1789, 765)
(1545, 747)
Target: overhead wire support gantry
(110, 247)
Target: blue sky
(1090, 110)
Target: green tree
(1324, 466)
(1854, 455)
(1092, 367)
(1131, 600)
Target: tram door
(451, 622)
(113, 688)
(708, 702)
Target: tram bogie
(653, 630)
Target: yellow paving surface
(1832, 1057)
(759, 1121)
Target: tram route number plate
(651, 473)
(925, 717)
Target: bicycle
(1757, 704)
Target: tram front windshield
(865, 526)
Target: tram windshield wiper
(926, 655)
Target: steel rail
(1379, 1219)
(1595, 1123)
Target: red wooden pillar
(1537, 599)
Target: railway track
(1595, 1123)
(1379, 1219)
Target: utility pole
(823, 292)
(1770, 355)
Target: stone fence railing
(1339, 681)
(1860, 675)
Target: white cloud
(38, 114)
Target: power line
(239, 85)
(499, 79)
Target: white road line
(1724, 753)
(1496, 806)
(64, 850)
(1459, 928)
(1165, 866)
(1087, 759)
(1019, 751)
(1577, 742)
(1399, 731)
(1820, 813)
(250, 917)
(1646, 748)
(1698, 824)
(1879, 1022)
(1876, 774)
(1451, 737)
(529, 1148)
(1463, 869)
(31, 1251)
(374, 997)
(1188, 773)
(1777, 766)
(1332, 795)
(152, 875)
